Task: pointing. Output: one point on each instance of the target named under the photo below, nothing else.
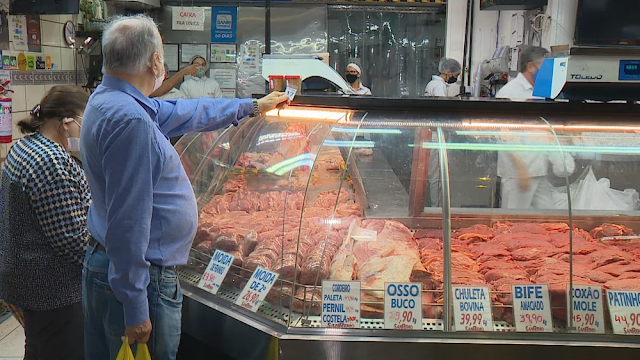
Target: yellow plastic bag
(125, 352)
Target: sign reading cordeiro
(341, 304)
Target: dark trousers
(54, 334)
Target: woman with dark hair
(43, 230)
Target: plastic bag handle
(125, 352)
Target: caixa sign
(586, 77)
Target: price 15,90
(586, 319)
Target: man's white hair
(128, 44)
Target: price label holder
(588, 314)
(362, 234)
(403, 306)
(531, 308)
(624, 307)
(472, 308)
(257, 288)
(216, 271)
(341, 304)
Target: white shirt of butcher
(517, 89)
(436, 87)
(195, 88)
(362, 90)
(172, 95)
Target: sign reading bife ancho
(224, 21)
(187, 18)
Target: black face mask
(351, 78)
(452, 80)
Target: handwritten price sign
(588, 314)
(341, 304)
(216, 271)
(257, 288)
(472, 308)
(531, 308)
(403, 306)
(624, 307)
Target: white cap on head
(352, 65)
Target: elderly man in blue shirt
(143, 215)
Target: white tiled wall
(25, 97)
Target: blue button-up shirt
(143, 210)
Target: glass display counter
(491, 196)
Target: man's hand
(139, 333)
(272, 100)
(189, 70)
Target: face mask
(159, 81)
(200, 72)
(73, 143)
(351, 78)
(452, 80)
(159, 78)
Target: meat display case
(440, 192)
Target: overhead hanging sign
(224, 22)
(187, 18)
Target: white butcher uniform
(436, 87)
(540, 191)
(195, 88)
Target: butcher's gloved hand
(522, 173)
(272, 100)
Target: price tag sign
(624, 307)
(588, 316)
(532, 308)
(216, 271)
(472, 308)
(341, 304)
(403, 306)
(362, 234)
(257, 288)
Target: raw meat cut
(610, 230)
(624, 284)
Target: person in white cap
(449, 69)
(353, 78)
(199, 85)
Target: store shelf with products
(473, 195)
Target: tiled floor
(11, 340)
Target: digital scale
(588, 73)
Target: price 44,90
(632, 320)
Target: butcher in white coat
(199, 85)
(524, 174)
(449, 69)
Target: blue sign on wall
(224, 22)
